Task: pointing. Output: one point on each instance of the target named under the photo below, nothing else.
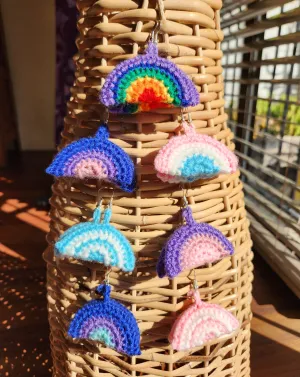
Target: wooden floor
(24, 345)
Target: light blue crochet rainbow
(97, 241)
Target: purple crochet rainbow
(192, 245)
(95, 158)
(147, 82)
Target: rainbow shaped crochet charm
(147, 82)
(188, 157)
(201, 323)
(192, 245)
(93, 241)
(96, 158)
(108, 322)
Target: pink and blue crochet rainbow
(192, 156)
(147, 82)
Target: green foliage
(262, 107)
(292, 126)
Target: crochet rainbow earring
(96, 241)
(192, 156)
(108, 322)
(192, 245)
(148, 82)
(95, 158)
(201, 323)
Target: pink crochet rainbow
(188, 157)
(201, 323)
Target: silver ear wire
(181, 116)
(195, 282)
(106, 116)
(99, 197)
(155, 32)
(184, 198)
(106, 276)
(111, 199)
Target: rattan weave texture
(110, 31)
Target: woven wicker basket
(110, 31)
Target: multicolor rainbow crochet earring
(108, 322)
(97, 158)
(148, 82)
(191, 156)
(201, 323)
(192, 245)
(96, 241)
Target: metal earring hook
(181, 116)
(183, 119)
(106, 277)
(195, 282)
(155, 32)
(111, 199)
(184, 198)
(99, 197)
(106, 116)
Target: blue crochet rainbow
(95, 157)
(109, 322)
(97, 242)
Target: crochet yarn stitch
(192, 245)
(108, 322)
(95, 157)
(200, 323)
(97, 242)
(188, 157)
(147, 82)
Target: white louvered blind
(262, 92)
